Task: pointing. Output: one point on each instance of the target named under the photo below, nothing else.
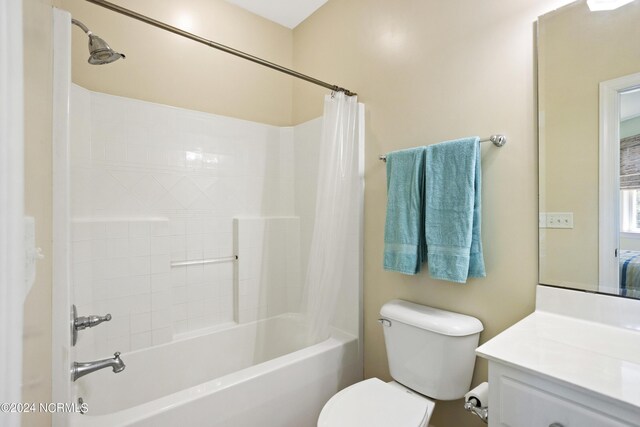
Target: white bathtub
(257, 374)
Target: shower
(99, 51)
(227, 190)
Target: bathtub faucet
(81, 369)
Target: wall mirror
(589, 148)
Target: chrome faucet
(81, 369)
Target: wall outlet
(556, 220)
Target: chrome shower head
(99, 51)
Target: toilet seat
(374, 403)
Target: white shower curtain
(338, 165)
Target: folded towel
(453, 210)
(404, 242)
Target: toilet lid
(374, 403)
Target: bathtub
(255, 374)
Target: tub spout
(81, 369)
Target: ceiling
(288, 13)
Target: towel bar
(497, 140)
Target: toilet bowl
(374, 403)
(431, 356)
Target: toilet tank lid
(432, 319)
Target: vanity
(575, 361)
(567, 368)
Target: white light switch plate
(556, 220)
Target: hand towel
(453, 210)
(404, 242)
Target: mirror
(589, 145)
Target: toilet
(431, 355)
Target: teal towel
(453, 210)
(404, 243)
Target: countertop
(596, 357)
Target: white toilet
(431, 355)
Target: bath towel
(453, 210)
(404, 242)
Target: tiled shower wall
(122, 267)
(268, 267)
(184, 174)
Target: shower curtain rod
(210, 43)
(497, 140)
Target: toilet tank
(430, 351)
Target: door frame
(62, 352)
(12, 255)
(609, 177)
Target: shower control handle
(84, 322)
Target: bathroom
(425, 71)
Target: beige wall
(38, 200)
(429, 71)
(578, 50)
(168, 69)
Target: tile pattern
(201, 295)
(122, 267)
(268, 277)
(138, 160)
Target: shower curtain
(337, 174)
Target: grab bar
(204, 261)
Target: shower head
(99, 51)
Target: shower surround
(152, 185)
(140, 186)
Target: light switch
(556, 220)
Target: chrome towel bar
(497, 140)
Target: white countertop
(599, 358)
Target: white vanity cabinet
(567, 370)
(521, 399)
